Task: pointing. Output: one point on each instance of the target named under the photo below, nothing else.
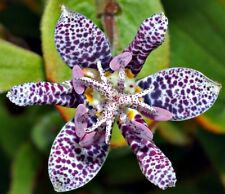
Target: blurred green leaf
(45, 130)
(18, 65)
(4, 171)
(126, 163)
(214, 147)
(127, 25)
(16, 127)
(25, 169)
(173, 133)
(14, 130)
(197, 41)
(20, 20)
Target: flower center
(118, 96)
(116, 100)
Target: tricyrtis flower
(103, 89)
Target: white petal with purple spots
(71, 165)
(150, 35)
(80, 42)
(45, 93)
(185, 92)
(153, 163)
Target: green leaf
(24, 170)
(127, 24)
(173, 133)
(214, 147)
(122, 160)
(20, 20)
(14, 130)
(45, 130)
(197, 41)
(18, 65)
(4, 171)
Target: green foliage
(197, 41)
(174, 134)
(43, 133)
(25, 169)
(214, 145)
(18, 66)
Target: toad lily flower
(103, 89)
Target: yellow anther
(138, 89)
(89, 95)
(108, 73)
(92, 73)
(131, 115)
(98, 114)
(129, 73)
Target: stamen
(87, 140)
(142, 130)
(101, 72)
(81, 120)
(144, 108)
(108, 130)
(144, 92)
(96, 125)
(77, 73)
(106, 89)
(120, 61)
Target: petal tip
(163, 16)
(14, 97)
(170, 182)
(64, 10)
(160, 18)
(218, 87)
(166, 179)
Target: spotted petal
(153, 163)
(45, 93)
(185, 92)
(149, 36)
(80, 42)
(71, 165)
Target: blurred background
(195, 39)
